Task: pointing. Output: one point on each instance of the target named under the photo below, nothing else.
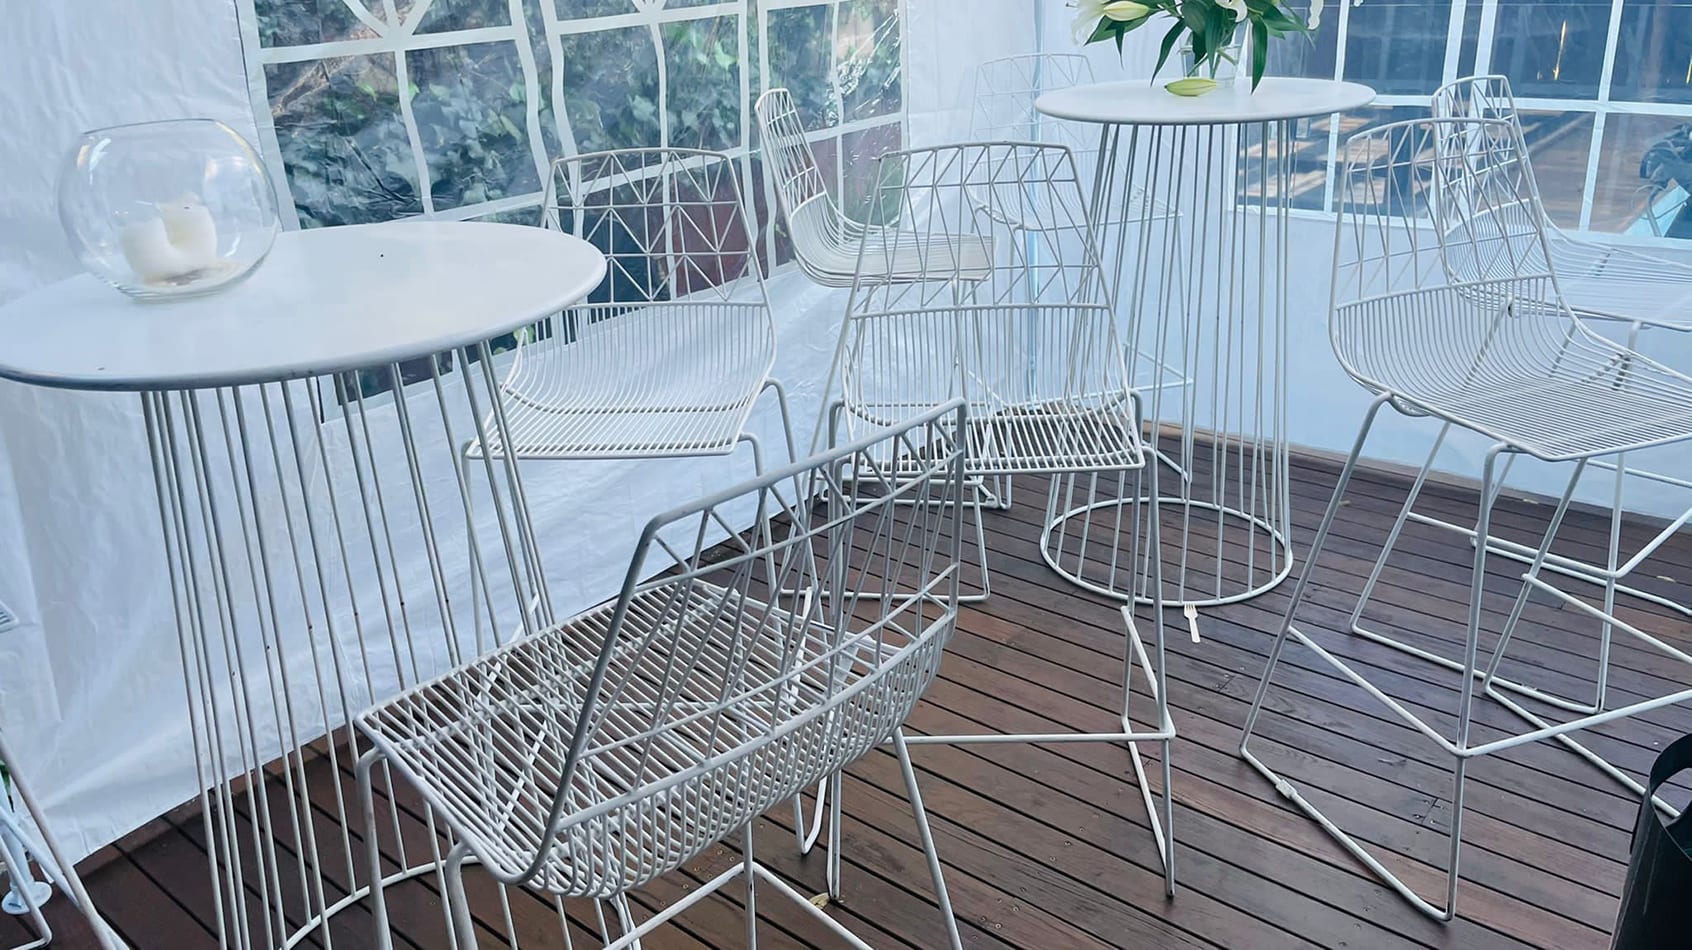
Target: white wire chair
(590, 758)
(826, 239)
(19, 846)
(668, 357)
(1502, 357)
(1034, 355)
(1599, 281)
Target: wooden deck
(1047, 848)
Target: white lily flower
(1315, 19)
(1238, 6)
(1088, 13)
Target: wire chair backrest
(699, 698)
(1006, 91)
(813, 216)
(672, 223)
(1030, 330)
(1413, 196)
(1510, 237)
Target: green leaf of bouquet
(1169, 40)
(1259, 55)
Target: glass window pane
(1559, 143)
(1397, 46)
(583, 9)
(470, 108)
(299, 22)
(861, 150)
(800, 60)
(611, 88)
(1551, 50)
(444, 16)
(344, 146)
(1644, 174)
(1659, 66)
(1312, 55)
(867, 53)
(702, 59)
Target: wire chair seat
(620, 390)
(1513, 368)
(670, 355)
(1618, 283)
(1044, 383)
(489, 740)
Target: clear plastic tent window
(379, 109)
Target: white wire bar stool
(19, 846)
(1502, 357)
(825, 238)
(1035, 355)
(668, 357)
(1003, 110)
(601, 753)
(1599, 282)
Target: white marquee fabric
(90, 691)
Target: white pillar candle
(189, 226)
(146, 246)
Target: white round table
(1191, 199)
(325, 542)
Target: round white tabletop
(325, 301)
(1142, 102)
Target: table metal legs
(323, 554)
(1203, 289)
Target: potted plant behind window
(1212, 35)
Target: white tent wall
(1325, 406)
(90, 683)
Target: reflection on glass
(861, 150)
(1644, 176)
(299, 22)
(443, 16)
(611, 88)
(800, 60)
(1559, 143)
(1397, 46)
(702, 60)
(1551, 49)
(470, 110)
(344, 146)
(1660, 67)
(583, 9)
(867, 54)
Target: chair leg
(458, 905)
(750, 872)
(26, 894)
(373, 848)
(942, 896)
(1286, 626)
(1392, 536)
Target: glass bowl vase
(167, 209)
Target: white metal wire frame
(292, 544)
(1205, 290)
(19, 846)
(1003, 109)
(1030, 349)
(669, 356)
(826, 240)
(1502, 357)
(1599, 282)
(592, 757)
